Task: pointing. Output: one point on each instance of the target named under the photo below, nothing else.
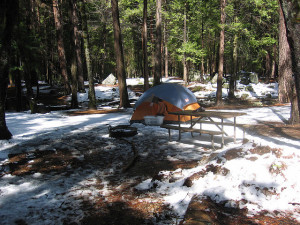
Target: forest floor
(126, 204)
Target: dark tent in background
(174, 96)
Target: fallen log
(209, 168)
(189, 181)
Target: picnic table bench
(206, 117)
(188, 129)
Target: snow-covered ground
(247, 180)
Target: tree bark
(74, 87)
(86, 40)
(202, 46)
(291, 12)
(274, 63)
(49, 48)
(234, 71)
(219, 100)
(157, 62)
(286, 81)
(268, 66)
(77, 45)
(185, 67)
(233, 78)
(18, 91)
(29, 67)
(74, 65)
(145, 53)
(8, 12)
(104, 54)
(166, 53)
(124, 100)
(60, 46)
(4, 132)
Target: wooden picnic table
(207, 117)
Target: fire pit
(122, 131)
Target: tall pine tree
(124, 100)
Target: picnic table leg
(192, 127)
(220, 128)
(234, 129)
(222, 133)
(179, 131)
(200, 127)
(212, 141)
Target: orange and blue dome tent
(174, 96)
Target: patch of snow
(268, 183)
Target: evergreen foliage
(255, 22)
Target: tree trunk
(234, 72)
(210, 56)
(74, 68)
(292, 20)
(145, 53)
(124, 100)
(219, 100)
(166, 53)
(16, 74)
(29, 67)
(4, 132)
(213, 56)
(31, 99)
(60, 46)
(74, 87)
(268, 66)
(8, 12)
(274, 63)
(77, 45)
(49, 48)
(85, 35)
(104, 54)
(157, 65)
(18, 90)
(286, 81)
(202, 46)
(185, 67)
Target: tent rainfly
(175, 98)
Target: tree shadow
(203, 210)
(272, 132)
(77, 178)
(116, 213)
(277, 113)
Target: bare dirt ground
(126, 205)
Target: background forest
(68, 42)
(190, 29)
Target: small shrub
(226, 85)
(277, 168)
(268, 95)
(257, 104)
(198, 88)
(244, 96)
(249, 88)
